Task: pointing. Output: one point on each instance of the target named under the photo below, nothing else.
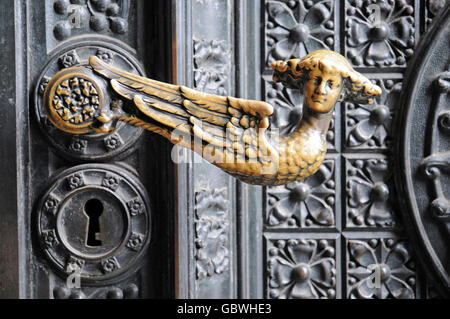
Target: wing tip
(95, 62)
(137, 99)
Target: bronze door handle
(234, 134)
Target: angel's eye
(330, 84)
(317, 80)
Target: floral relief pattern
(368, 194)
(369, 126)
(75, 181)
(210, 66)
(105, 55)
(109, 265)
(211, 232)
(49, 238)
(379, 33)
(288, 110)
(77, 145)
(113, 141)
(301, 269)
(307, 203)
(111, 182)
(135, 241)
(136, 207)
(380, 269)
(51, 205)
(296, 28)
(70, 59)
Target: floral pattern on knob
(302, 269)
(76, 100)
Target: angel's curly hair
(295, 72)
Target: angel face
(322, 90)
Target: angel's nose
(321, 89)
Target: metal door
(342, 233)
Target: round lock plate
(94, 220)
(92, 146)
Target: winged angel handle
(235, 133)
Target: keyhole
(93, 209)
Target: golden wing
(232, 131)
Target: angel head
(326, 77)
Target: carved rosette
(211, 232)
(109, 265)
(309, 203)
(369, 193)
(369, 126)
(380, 269)
(51, 204)
(112, 142)
(111, 181)
(75, 181)
(379, 33)
(49, 238)
(301, 269)
(136, 207)
(296, 28)
(211, 66)
(77, 145)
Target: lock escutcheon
(94, 220)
